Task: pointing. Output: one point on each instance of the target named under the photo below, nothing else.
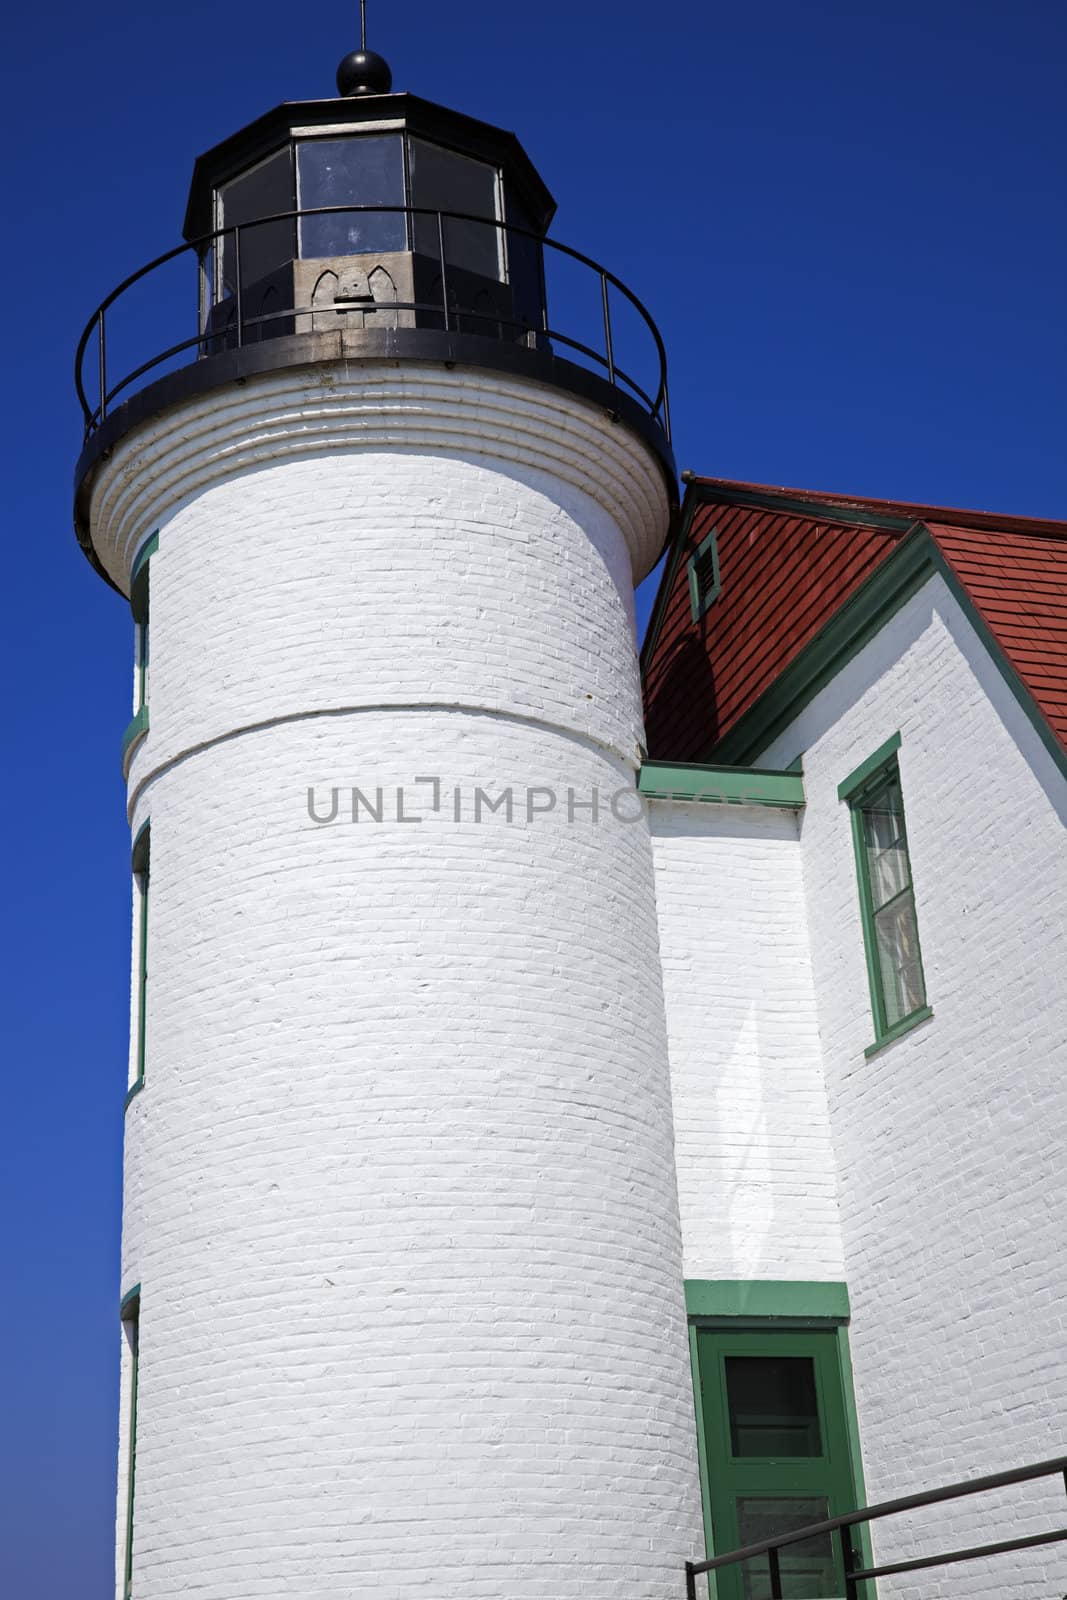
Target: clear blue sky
(849, 222)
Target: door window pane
(445, 181)
(773, 1406)
(263, 191)
(364, 170)
(806, 1569)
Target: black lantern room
(374, 211)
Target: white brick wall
(400, 1185)
(950, 1141)
(755, 1168)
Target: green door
(778, 1457)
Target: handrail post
(101, 344)
(690, 1582)
(776, 1573)
(848, 1562)
(444, 271)
(238, 307)
(608, 348)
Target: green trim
(715, 785)
(877, 599)
(136, 733)
(1018, 688)
(139, 579)
(702, 1455)
(700, 598)
(765, 1298)
(130, 1304)
(878, 769)
(815, 510)
(133, 1091)
(140, 863)
(905, 1025)
(141, 849)
(866, 1589)
(866, 769)
(135, 1351)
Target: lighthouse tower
(402, 1293)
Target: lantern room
(375, 210)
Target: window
(777, 1451)
(265, 190)
(704, 582)
(139, 864)
(139, 607)
(131, 1319)
(887, 897)
(443, 180)
(365, 170)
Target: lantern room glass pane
(773, 1406)
(444, 181)
(263, 191)
(364, 170)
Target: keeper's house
(856, 718)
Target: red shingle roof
(789, 559)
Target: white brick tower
(401, 1268)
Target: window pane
(807, 1569)
(445, 181)
(263, 191)
(897, 936)
(364, 170)
(887, 851)
(773, 1406)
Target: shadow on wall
(682, 713)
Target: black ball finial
(364, 72)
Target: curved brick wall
(400, 1186)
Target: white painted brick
(400, 1185)
(949, 1142)
(756, 1174)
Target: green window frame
(705, 583)
(887, 895)
(130, 1314)
(775, 1465)
(139, 863)
(139, 595)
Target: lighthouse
(402, 1307)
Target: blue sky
(849, 223)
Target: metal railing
(854, 1572)
(445, 306)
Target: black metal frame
(452, 315)
(855, 1574)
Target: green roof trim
(901, 574)
(716, 785)
(752, 1297)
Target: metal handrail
(657, 405)
(855, 1574)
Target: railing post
(444, 271)
(608, 348)
(848, 1562)
(776, 1574)
(101, 344)
(690, 1582)
(238, 307)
